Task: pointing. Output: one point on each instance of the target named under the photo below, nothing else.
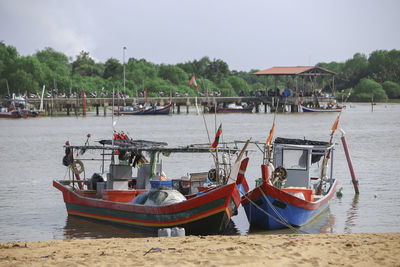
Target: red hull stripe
(150, 223)
(286, 197)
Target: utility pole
(123, 60)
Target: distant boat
(232, 108)
(11, 114)
(164, 110)
(146, 110)
(321, 109)
(130, 111)
(29, 113)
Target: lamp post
(123, 60)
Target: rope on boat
(77, 166)
(282, 220)
(286, 223)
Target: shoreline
(371, 249)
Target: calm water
(31, 153)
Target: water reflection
(351, 215)
(80, 228)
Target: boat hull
(139, 111)
(11, 114)
(206, 214)
(234, 110)
(306, 109)
(267, 207)
(164, 110)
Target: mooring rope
(282, 220)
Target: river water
(31, 152)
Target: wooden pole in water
(372, 103)
(352, 173)
(84, 102)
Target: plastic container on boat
(164, 232)
(307, 193)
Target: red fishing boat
(291, 195)
(10, 113)
(299, 187)
(122, 198)
(208, 213)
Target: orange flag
(336, 124)
(271, 135)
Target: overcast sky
(247, 34)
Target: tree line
(376, 76)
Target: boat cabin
(302, 160)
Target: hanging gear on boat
(212, 175)
(92, 183)
(67, 159)
(279, 176)
(77, 166)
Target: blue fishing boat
(163, 110)
(298, 189)
(145, 110)
(321, 109)
(130, 111)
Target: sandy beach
(250, 250)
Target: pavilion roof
(300, 70)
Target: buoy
(339, 193)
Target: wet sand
(250, 250)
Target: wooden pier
(74, 106)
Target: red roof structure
(307, 74)
(301, 70)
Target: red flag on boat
(241, 180)
(193, 81)
(336, 124)
(216, 140)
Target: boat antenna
(204, 119)
(327, 152)
(8, 88)
(112, 113)
(41, 99)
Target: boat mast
(41, 99)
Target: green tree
(8, 65)
(367, 89)
(113, 69)
(57, 62)
(226, 89)
(85, 65)
(217, 71)
(354, 70)
(172, 73)
(385, 65)
(392, 89)
(239, 84)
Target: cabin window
(295, 159)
